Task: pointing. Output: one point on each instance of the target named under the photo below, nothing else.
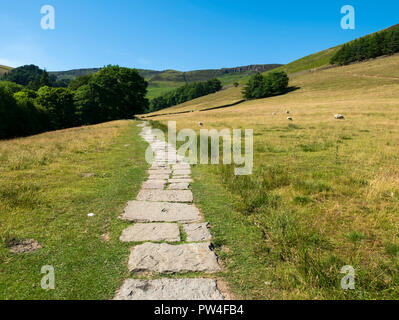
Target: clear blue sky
(179, 34)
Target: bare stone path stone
(154, 184)
(166, 195)
(158, 176)
(197, 231)
(151, 232)
(180, 180)
(164, 201)
(169, 289)
(167, 258)
(183, 172)
(144, 211)
(179, 186)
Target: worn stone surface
(165, 195)
(154, 184)
(162, 171)
(169, 289)
(179, 186)
(181, 166)
(183, 172)
(197, 231)
(151, 232)
(181, 177)
(167, 258)
(180, 180)
(144, 211)
(158, 176)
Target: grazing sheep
(287, 111)
(274, 113)
(290, 119)
(200, 124)
(339, 117)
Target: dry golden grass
(338, 180)
(38, 150)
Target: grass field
(4, 69)
(49, 183)
(324, 193)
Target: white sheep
(290, 119)
(339, 116)
(200, 124)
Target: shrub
(186, 93)
(271, 84)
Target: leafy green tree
(59, 104)
(25, 75)
(11, 86)
(185, 93)
(76, 83)
(112, 93)
(372, 46)
(45, 79)
(259, 86)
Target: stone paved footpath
(162, 209)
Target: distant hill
(163, 81)
(4, 69)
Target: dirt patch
(24, 246)
(106, 237)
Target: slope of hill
(323, 193)
(164, 81)
(4, 69)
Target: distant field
(324, 193)
(49, 183)
(4, 69)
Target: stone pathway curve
(162, 211)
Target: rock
(339, 117)
(179, 186)
(165, 195)
(158, 176)
(169, 289)
(184, 172)
(181, 166)
(180, 180)
(167, 258)
(162, 171)
(143, 211)
(197, 231)
(154, 184)
(186, 176)
(151, 232)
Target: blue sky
(179, 34)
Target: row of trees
(33, 77)
(110, 94)
(262, 86)
(372, 46)
(185, 93)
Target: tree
(25, 75)
(45, 79)
(79, 81)
(185, 93)
(112, 93)
(259, 86)
(59, 104)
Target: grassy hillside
(324, 193)
(4, 69)
(49, 183)
(163, 81)
(313, 61)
